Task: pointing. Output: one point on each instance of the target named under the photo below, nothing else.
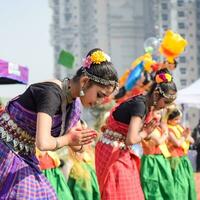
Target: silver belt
(19, 140)
(114, 139)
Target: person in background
(82, 179)
(178, 145)
(156, 176)
(49, 163)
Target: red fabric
(46, 162)
(117, 170)
(175, 151)
(129, 94)
(1, 109)
(116, 126)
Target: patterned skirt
(21, 179)
(122, 180)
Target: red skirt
(117, 173)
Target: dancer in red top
(117, 165)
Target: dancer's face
(162, 102)
(174, 121)
(95, 95)
(157, 114)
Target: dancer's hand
(186, 132)
(164, 127)
(148, 128)
(77, 136)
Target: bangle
(79, 149)
(57, 145)
(165, 134)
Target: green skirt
(184, 183)
(85, 189)
(156, 178)
(59, 183)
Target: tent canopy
(190, 95)
(12, 73)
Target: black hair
(165, 86)
(147, 77)
(83, 123)
(62, 163)
(104, 70)
(175, 113)
(174, 62)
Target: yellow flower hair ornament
(96, 58)
(163, 78)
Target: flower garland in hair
(163, 78)
(95, 58)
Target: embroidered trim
(14, 136)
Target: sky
(25, 39)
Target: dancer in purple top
(44, 115)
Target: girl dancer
(117, 165)
(43, 115)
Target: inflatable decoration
(172, 45)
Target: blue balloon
(134, 76)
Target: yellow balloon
(172, 45)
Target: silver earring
(82, 93)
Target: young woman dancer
(117, 165)
(43, 115)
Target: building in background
(129, 24)
(120, 27)
(198, 34)
(77, 26)
(182, 16)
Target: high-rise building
(198, 34)
(77, 26)
(119, 27)
(130, 23)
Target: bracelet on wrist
(79, 150)
(57, 145)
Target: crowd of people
(46, 118)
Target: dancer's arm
(135, 135)
(177, 142)
(159, 140)
(45, 142)
(190, 139)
